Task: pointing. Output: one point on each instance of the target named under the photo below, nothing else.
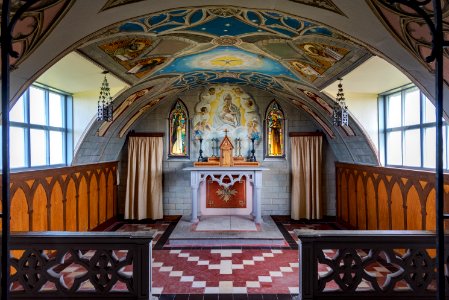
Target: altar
(249, 203)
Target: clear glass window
(412, 148)
(410, 130)
(412, 109)
(394, 108)
(38, 106)
(394, 147)
(38, 132)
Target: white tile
(258, 258)
(175, 251)
(294, 290)
(157, 264)
(212, 290)
(267, 254)
(186, 278)
(253, 284)
(165, 269)
(265, 279)
(224, 284)
(175, 274)
(277, 251)
(286, 269)
(226, 252)
(203, 263)
(193, 258)
(248, 262)
(239, 290)
(275, 274)
(294, 265)
(184, 255)
(199, 284)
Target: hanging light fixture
(340, 113)
(105, 108)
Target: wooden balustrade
(386, 198)
(367, 264)
(81, 265)
(75, 198)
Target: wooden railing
(64, 199)
(386, 198)
(80, 265)
(367, 264)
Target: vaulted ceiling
(263, 48)
(290, 48)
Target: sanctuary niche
(253, 107)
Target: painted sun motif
(227, 60)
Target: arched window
(179, 128)
(274, 131)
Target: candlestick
(253, 156)
(239, 147)
(200, 157)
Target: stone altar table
(252, 175)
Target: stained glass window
(179, 123)
(274, 131)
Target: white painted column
(194, 185)
(257, 190)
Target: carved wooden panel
(386, 198)
(72, 198)
(100, 265)
(375, 264)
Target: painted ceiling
(262, 48)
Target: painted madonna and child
(225, 109)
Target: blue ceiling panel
(226, 26)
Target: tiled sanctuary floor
(237, 271)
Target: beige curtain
(144, 184)
(306, 199)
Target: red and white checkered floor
(219, 271)
(222, 271)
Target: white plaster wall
(363, 108)
(85, 111)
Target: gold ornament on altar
(226, 159)
(226, 193)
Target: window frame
(421, 126)
(66, 129)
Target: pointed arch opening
(274, 131)
(178, 145)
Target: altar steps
(226, 231)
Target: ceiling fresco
(184, 49)
(226, 59)
(35, 25)
(411, 30)
(242, 45)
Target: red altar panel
(221, 197)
